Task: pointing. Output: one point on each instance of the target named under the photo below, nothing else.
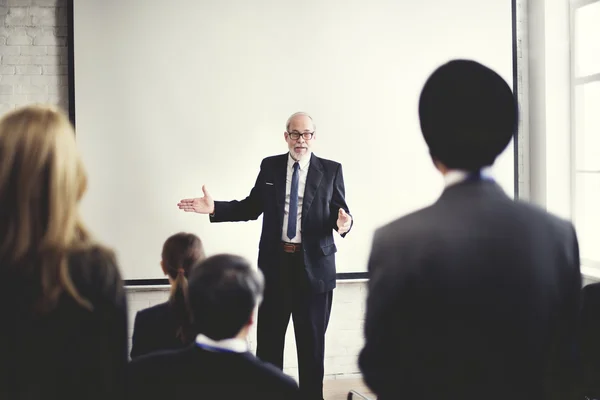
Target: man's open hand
(201, 205)
(344, 221)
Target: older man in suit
(477, 295)
(302, 200)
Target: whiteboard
(170, 96)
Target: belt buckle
(289, 247)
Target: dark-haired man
(224, 292)
(475, 296)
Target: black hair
(468, 115)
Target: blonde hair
(42, 180)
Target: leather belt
(291, 247)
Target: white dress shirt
(234, 345)
(302, 173)
(454, 176)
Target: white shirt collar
(455, 176)
(303, 162)
(233, 344)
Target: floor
(337, 389)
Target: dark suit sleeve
(388, 307)
(338, 200)
(564, 376)
(241, 210)
(589, 349)
(139, 345)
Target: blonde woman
(63, 309)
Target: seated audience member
(589, 349)
(224, 293)
(477, 295)
(167, 325)
(63, 307)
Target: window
(585, 100)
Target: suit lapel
(279, 177)
(313, 180)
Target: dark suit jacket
(589, 348)
(474, 297)
(194, 373)
(71, 353)
(155, 329)
(324, 195)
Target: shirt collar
(234, 345)
(454, 176)
(303, 162)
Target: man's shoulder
(161, 360)
(535, 212)
(329, 167)
(273, 159)
(424, 224)
(326, 162)
(269, 372)
(413, 223)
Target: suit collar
(468, 190)
(454, 176)
(232, 345)
(280, 174)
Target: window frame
(590, 265)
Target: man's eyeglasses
(305, 135)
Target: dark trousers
(289, 294)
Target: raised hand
(201, 205)
(344, 221)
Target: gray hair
(298, 114)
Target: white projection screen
(169, 96)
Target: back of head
(223, 293)
(42, 180)
(180, 254)
(468, 115)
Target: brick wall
(33, 53)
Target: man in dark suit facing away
(589, 340)
(224, 291)
(302, 200)
(475, 296)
